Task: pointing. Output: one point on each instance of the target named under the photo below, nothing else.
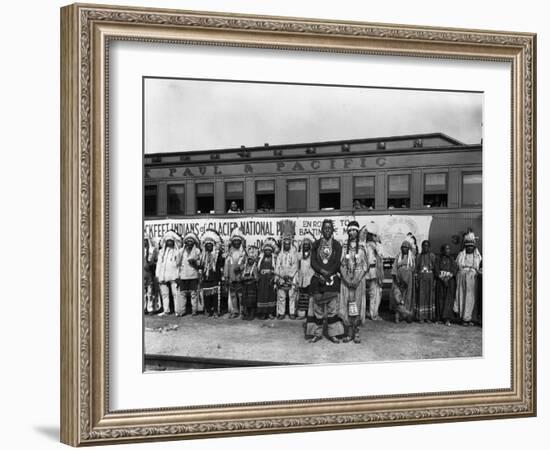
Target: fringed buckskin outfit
(189, 277)
(211, 271)
(234, 265)
(285, 271)
(167, 270)
(352, 307)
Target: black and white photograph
(293, 224)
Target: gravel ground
(282, 341)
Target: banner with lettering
(392, 228)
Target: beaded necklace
(325, 250)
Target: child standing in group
(445, 273)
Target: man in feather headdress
(211, 271)
(189, 275)
(469, 265)
(167, 270)
(402, 298)
(232, 272)
(250, 283)
(304, 275)
(285, 271)
(326, 254)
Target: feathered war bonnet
(192, 237)
(409, 242)
(308, 237)
(411, 238)
(213, 237)
(271, 243)
(209, 260)
(237, 234)
(469, 239)
(288, 229)
(371, 228)
(172, 235)
(288, 232)
(253, 252)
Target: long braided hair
(353, 225)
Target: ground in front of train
(193, 342)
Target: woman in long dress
(425, 267)
(445, 273)
(352, 306)
(267, 295)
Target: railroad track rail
(173, 362)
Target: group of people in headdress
(180, 270)
(262, 280)
(437, 288)
(333, 286)
(257, 282)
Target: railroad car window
(471, 189)
(265, 196)
(151, 204)
(435, 190)
(399, 191)
(175, 199)
(234, 196)
(329, 193)
(296, 195)
(363, 192)
(205, 198)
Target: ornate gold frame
(85, 34)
